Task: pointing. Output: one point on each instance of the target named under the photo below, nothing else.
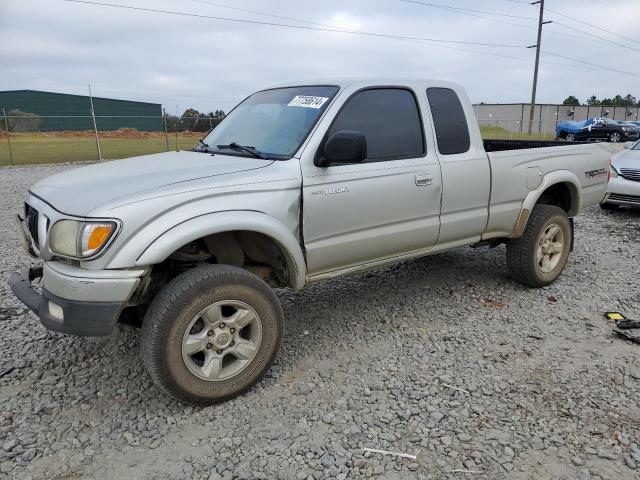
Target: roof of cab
(363, 82)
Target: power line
(475, 52)
(257, 12)
(468, 13)
(266, 14)
(604, 39)
(429, 4)
(336, 30)
(596, 36)
(299, 27)
(506, 22)
(591, 25)
(465, 12)
(611, 69)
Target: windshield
(273, 123)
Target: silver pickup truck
(299, 183)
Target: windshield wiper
(201, 147)
(245, 148)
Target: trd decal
(596, 173)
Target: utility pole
(535, 70)
(95, 125)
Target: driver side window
(388, 118)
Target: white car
(624, 178)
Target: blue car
(597, 129)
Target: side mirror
(628, 145)
(345, 146)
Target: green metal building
(61, 111)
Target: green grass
(31, 149)
(37, 148)
(492, 132)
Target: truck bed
(501, 145)
(519, 168)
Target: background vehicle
(624, 181)
(297, 184)
(595, 129)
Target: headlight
(80, 239)
(625, 129)
(613, 173)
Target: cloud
(209, 64)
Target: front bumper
(76, 301)
(630, 136)
(622, 191)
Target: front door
(356, 214)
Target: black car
(597, 129)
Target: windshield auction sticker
(307, 101)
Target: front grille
(625, 198)
(32, 223)
(630, 174)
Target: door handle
(423, 180)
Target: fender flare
(197, 227)
(548, 180)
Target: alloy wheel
(550, 248)
(222, 340)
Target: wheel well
(253, 251)
(561, 195)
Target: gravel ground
(444, 358)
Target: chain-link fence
(27, 138)
(511, 120)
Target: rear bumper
(74, 304)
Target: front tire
(615, 137)
(211, 333)
(539, 256)
(570, 137)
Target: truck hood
(77, 192)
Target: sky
(208, 64)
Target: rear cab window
(449, 120)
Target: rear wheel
(538, 257)
(211, 333)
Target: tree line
(193, 120)
(619, 100)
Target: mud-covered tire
(164, 331)
(523, 254)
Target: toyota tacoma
(298, 184)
